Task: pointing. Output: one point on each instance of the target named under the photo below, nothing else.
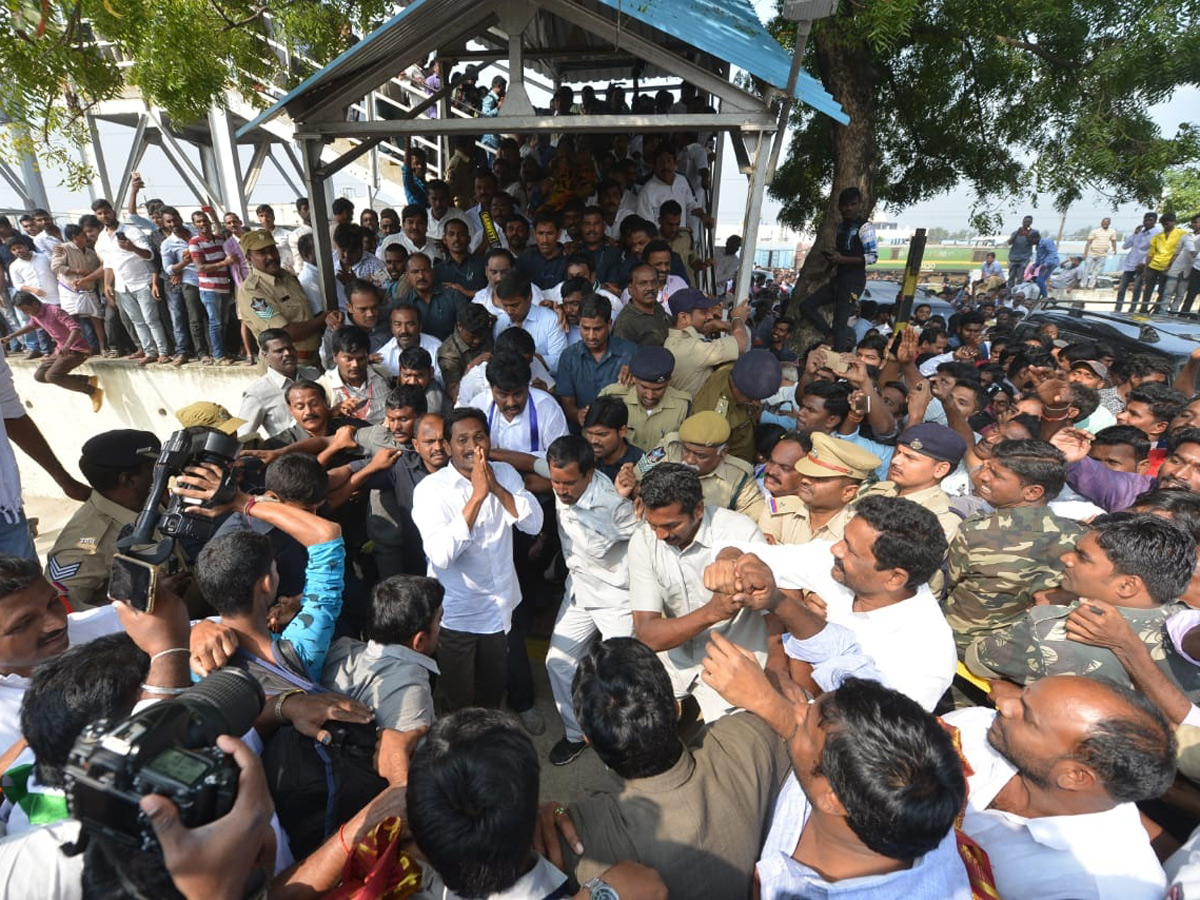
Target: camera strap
(287, 675)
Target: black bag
(319, 787)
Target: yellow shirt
(1162, 249)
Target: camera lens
(226, 702)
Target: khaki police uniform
(933, 499)
(717, 395)
(80, 559)
(788, 521)
(265, 301)
(648, 428)
(697, 358)
(731, 485)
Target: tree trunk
(847, 71)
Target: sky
(950, 210)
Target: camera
(167, 748)
(140, 558)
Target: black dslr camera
(140, 559)
(169, 749)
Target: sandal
(206, 360)
(163, 360)
(179, 360)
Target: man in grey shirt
(390, 672)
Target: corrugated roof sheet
(729, 30)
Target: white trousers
(574, 630)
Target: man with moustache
(925, 455)
(312, 418)
(874, 582)
(828, 479)
(395, 474)
(1113, 491)
(701, 444)
(272, 297)
(465, 513)
(264, 409)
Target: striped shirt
(207, 251)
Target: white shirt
(429, 249)
(130, 271)
(473, 565)
(81, 627)
(390, 356)
(1185, 258)
(1106, 855)
(368, 267)
(475, 381)
(938, 875)
(518, 435)
(655, 193)
(595, 532)
(614, 230)
(45, 242)
(283, 241)
(910, 642)
(35, 272)
(310, 280)
(1138, 245)
(436, 229)
(549, 340)
(483, 297)
(33, 866)
(665, 580)
(293, 242)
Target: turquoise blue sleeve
(311, 632)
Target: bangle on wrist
(342, 839)
(1062, 418)
(155, 689)
(249, 506)
(280, 699)
(163, 653)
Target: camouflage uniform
(995, 564)
(1038, 646)
(731, 485)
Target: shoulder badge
(59, 571)
(88, 545)
(722, 407)
(262, 308)
(651, 459)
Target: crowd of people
(907, 612)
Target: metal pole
(912, 272)
(754, 199)
(803, 29)
(318, 204)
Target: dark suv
(1172, 337)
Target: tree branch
(231, 24)
(1040, 52)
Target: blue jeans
(139, 305)
(214, 307)
(1043, 273)
(179, 319)
(15, 539)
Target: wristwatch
(599, 889)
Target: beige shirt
(933, 499)
(81, 557)
(648, 428)
(1101, 241)
(266, 302)
(696, 358)
(665, 580)
(731, 485)
(788, 521)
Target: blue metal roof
(730, 30)
(725, 29)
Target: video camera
(167, 748)
(140, 558)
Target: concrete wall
(134, 397)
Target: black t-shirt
(632, 455)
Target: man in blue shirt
(592, 362)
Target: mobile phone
(133, 581)
(121, 236)
(837, 363)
